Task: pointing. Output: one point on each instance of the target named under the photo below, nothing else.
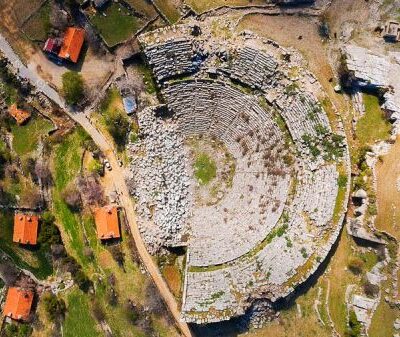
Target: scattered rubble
(281, 202)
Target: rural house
(107, 223)
(18, 303)
(20, 116)
(25, 229)
(72, 44)
(52, 46)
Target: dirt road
(116, 174)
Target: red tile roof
(72, 44)
(18, 303)
(52, 46)
(21, 116)
(107, 224)
(25, 228)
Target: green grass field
(10, 93)
(143, 6)
(205, 169)
(26, 137)
(201, 6)
(373, 126)
(78, 320)
(169, 10)
(67, 165)
(117, 25)
(37, 28)
(31, 258)
(147, 78)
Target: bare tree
(94, 40)
(31, 198)
(72, 197)
(11, 171)
(43, 173)
(58, 18)
(91, 190)
(8, 272)
(154, 300)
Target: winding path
(116, 174)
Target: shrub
(72, 197)
(356, 265)
(88, 252)
(372, 209)
(13, 330)
(82, 280)
(49, 233)
(54, 306)
(98, 311)
(73, 87)
(112, 297)
(342, 181)
(117, 254)
(5, 157)
(96, 167)
(371, 290)
(118, 126)
(380, 251)
(354, 328)
(154, 301)
(79, 277)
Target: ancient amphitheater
(278, 209)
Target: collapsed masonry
(375, 71)
(282, 213)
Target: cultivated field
(170, 9)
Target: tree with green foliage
(72, 197)
(96, 167)
(13, 330)
(49, 233)
(356, 265)
(118, 126)
(354, 328)
(5, 157)
(73, 87)
(54, 306)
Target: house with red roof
(72, 44)
(25, 228)
(107, 224)
(18, 304)
(20, 116)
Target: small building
(52, 46)
(72, 44)
(21, 116)
(392, 31)
(18, 304)
(107, 224)
(25, 229)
